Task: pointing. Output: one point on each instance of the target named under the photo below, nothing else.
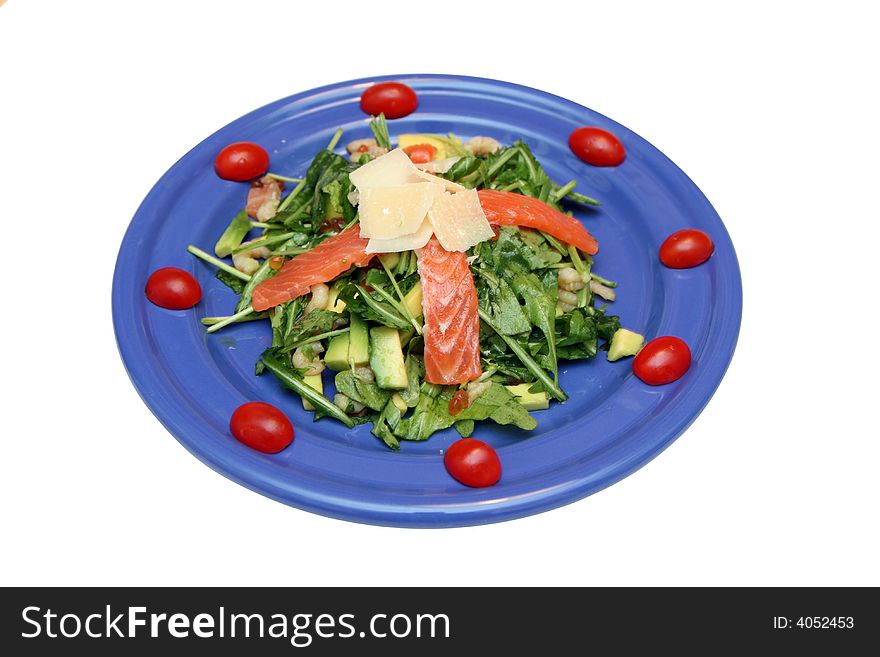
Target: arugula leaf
(432, 414)
(576, 335)
(379, 128)
(511, 251)
(507, 313)
(315, 323)
(465, 428)
(386, 423)
(368, 306)
(540, 306)
(515, 168)
(324, 190)
(265, 271)
(336, 202)
(525, 358)
(469, 171)
(606, 326)
(234, 282)
(414, 374)
(368, 394)
(280, 366)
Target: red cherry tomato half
(242, 161)
(262, 427)
(596, 146)
(662, 360)
(391, 98)
(473, 463)
(686, 248)
(173, 288)
(421, 153)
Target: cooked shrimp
(308, 359)
(360, 147)
(262, 194)
(476, 389)
(364, 374)
(603, 291)
(568, 301)
(570, 280)
(320, 298)
(246, 261)
(481, 146)
(347, 404)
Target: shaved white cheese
(389, 212)
(438, 166)
(390, 170)
(353, 197)
(458, 220)
(409, 242)
(448, 185)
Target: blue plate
(612, 424)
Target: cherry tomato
(391, 98)
(262, 427)
(421, 153)
(473, 463)
(170, 287)
(242, 161)
(596, 146)
(686, 248)
(662, 360)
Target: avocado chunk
(625, 343)
(336, 357)
(405, 141)
(397, 400)
(386, 358)
(314, 382)
(334, 303)
(358, 342)
(390, 260)
(531, 401)
(413, 300)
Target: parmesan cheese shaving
(438, 166)
(389, 170)
(410, 242)
(448, 185)
(458, 220)
(389, 212)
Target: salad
(432, 284)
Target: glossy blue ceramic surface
(611, 425)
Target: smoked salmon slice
(325, 262)
(452, 325)
(510, 209)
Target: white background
(769, 107)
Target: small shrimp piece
(263, 191)
(360, 147)
(246, 261)
(319, 300)
(308, 359)
(269, 209)
(481, 146)
(568, 301)
(570, 280)
(476, 389)
(364, 374)
(603, 291)
(347, 404)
